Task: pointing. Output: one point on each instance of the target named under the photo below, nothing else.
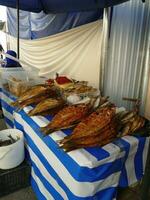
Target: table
(85, 174)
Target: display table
(91, 173)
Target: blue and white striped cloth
(85, 174)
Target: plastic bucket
(12, 155)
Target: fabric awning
(60, 6)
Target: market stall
(81, 174)
(85, 173)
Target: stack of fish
(35, 95)
(102, 127)
(47, 106)
(68, 117)
(98, 129)
(130, 121)
(93, 125)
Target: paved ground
(27, 193)
(24, 194)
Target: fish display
(130, 122)
(95, 121)
(92, 123)
(46, 105)
(32, 101)
(35, 91)
(102, 127)
(94, 130)
(67, 117)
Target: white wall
(3, 18)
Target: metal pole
(104, 49)
(18, 31)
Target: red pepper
(62, 79)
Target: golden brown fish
(52, 111)
(33, 92)
(67, 117)
(33, 101)
(95, 122)
(103, 137)
(46, 105)
(132, 125)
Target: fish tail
(47, 130)
(20, 107)
(30, 113)
(68, 146)
(63, 141)
(15, 103)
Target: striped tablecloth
(85, 174)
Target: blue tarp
(38, 25)
(60, 6)
(28, 5)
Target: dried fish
(46, 105)
(128, 116)
(132, 125)
(34, 101)
(35, 91)
(93, 123)
(70, 146)
(8, 141)
(67, 117)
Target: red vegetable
(62, 80)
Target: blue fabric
(28, 5)
(24, 23)
(60, 6)
(138, 158)
(10, 62)
(78, 172)
(38, 25)
(124, 179)
(110, 193)
(36, 190)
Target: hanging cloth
(75, 52)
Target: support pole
(18, 30)
(104, 47)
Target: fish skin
(111, 127)
(93, 123)
(33, 92)
(51, 112)
(46, 105)
(66, 117)
(34, 100)
(71, 147)
(128, 116)
(104, 133)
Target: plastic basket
(14, 179)
(5, 73)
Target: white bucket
(12, 155)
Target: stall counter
(84, 174)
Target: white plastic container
(5, 73)
(12, 155)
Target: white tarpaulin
(75, 52)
